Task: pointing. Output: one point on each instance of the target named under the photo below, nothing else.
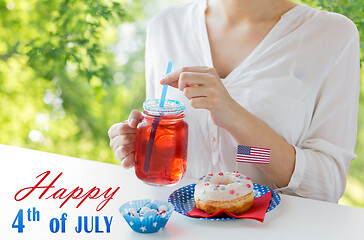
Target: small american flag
(249, 154)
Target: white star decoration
(141, 218)
(155, 224)
(143, 229)
(131, 223)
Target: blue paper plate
(183, 200)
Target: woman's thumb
(135, 118)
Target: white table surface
(294, 218)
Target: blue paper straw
(155, 125)
(164, 91)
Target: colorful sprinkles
(216, 187)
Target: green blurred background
(69, 69)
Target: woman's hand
(203, 87)
(122, 138)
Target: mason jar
(161, 143)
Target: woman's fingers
(120, 128)
(128, 161)
(126, 127)
(122, 152)
(196, 91)
(188, 79)
(205, 90)
(173, 78)
(122, 140)
(200, 103)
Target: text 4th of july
(87, 224)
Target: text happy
(77, 193)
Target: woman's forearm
(250, 131)
(205, 90)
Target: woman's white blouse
(302, 80)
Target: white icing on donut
(223, 187)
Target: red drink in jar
(165, 131)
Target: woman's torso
(278, 81)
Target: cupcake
(146, 215)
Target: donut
(230, 191)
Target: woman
(263, 73)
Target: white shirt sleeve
(323, 157)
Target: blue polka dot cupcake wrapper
(147, 223)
